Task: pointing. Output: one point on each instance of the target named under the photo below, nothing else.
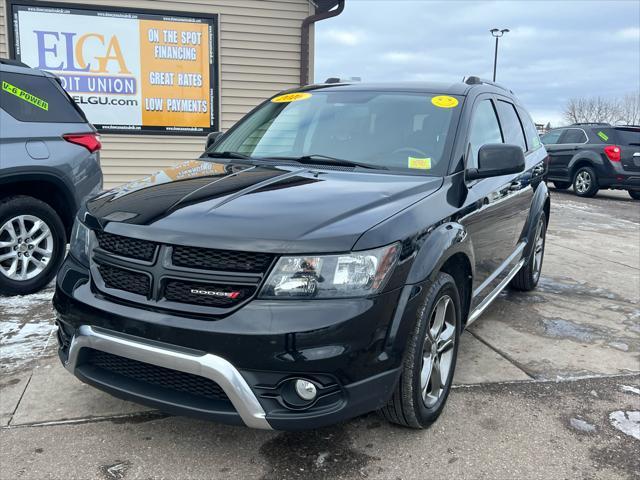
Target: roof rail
(591, 124)
(343, 80)
(474, 80)
(15, 63)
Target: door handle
(513, 186)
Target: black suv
(319, 262)
(591, 156)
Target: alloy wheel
(26, 247)
(437, 352)
(583, 181)
(538, 249)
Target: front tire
(635, 194)
(527, 277)
(32, 245)
(430, 359)
(585, 182)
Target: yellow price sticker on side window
(291, 97)
(420, 163)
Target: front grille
(207, 294)
(163, 281)
(223, 260)
(121, 279)
(126, 246)
(158, 376)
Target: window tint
(31, 98)
(628, 136)
(484, 129)
(530, 131)
(573, 135)
(551, 138)
(511, 128)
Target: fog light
(306, 390)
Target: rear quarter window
(31, 98)
(604, 135)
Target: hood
(279, 209)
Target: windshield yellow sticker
(291, 97)
(421, 163)
(444, 101)
(603, 136)
(26, 96)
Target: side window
(32, 98)
(511, 127)
(484, 129)
(573, 135)
(530, 132)
(551, 138)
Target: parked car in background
(593, 156)
(319, 262)
(49, 161)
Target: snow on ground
(26, 329)
(627, 422)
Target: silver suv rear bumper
(197, 363)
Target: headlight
(79, 243)
(331, 276)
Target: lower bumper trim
(205, 365)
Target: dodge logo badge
(216, 293)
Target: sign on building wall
(129, 70)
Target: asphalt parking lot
(547, 386)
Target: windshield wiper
(316, 159)
(237, 155)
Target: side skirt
(473, 316)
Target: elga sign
(130, 71)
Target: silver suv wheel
(583, 181)
(26, 247)
(437, 352)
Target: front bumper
(351, 349)
(202, 364)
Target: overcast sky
(555, 50)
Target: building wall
(259, 56)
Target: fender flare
(540, 203)
(16, 175)
(592, 158)
(437, 246)
(444, 241)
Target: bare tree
(630, 109)
(625, 110)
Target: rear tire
(585, 182)
(561, 185)
(635, 194)
(527, 277)
(430, 358)
(31, 234)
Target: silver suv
(49, 161)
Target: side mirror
(212, 138)
(497, 159)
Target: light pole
(496, 32)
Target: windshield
(392, 130)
